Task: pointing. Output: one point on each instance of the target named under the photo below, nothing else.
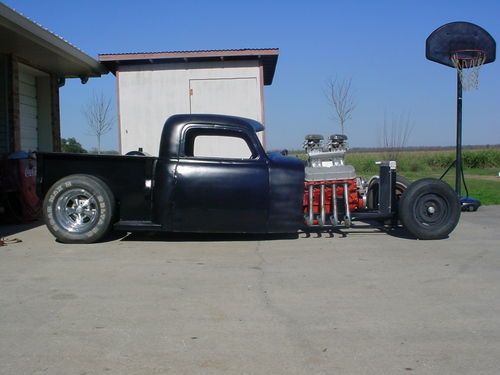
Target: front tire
(79, 209)
(372, 198)
(429, 209)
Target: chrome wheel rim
(76, 210)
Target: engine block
(331, 190)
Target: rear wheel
(429, 209)
(78, 209)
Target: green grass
(487, 191)
(478, 164)
(427, 161)
(481, 168)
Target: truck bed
(126, 176)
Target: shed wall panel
(149, 94)
(233, 96)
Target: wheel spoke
(85, 203)
(79, 219)
(89, 212)
(70, 210)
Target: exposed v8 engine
(329, 183)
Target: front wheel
(429, 209)
(78, 209)
(372, 198)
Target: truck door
(222, 181)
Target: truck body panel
(184, 192)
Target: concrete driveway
(367, 303)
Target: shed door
(28, 111)
(227, 96)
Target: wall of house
(44, 103)
(35, 110)
(4, 111)
(149, 94)
(28, 108)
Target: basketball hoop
(465, 47)
(468, 63)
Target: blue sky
(379, 44)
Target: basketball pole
(458, 156)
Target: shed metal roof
(32, 42)
(268, 57)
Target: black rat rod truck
(213, 175)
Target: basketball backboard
(456, 37)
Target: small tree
(395, 134)
(72, 145)
(341, 99)
(99, 119)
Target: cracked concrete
(369, 303)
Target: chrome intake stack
(326, 161)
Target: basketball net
(468, 64)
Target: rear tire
(79, 209)
(429, 209)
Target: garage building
(34, 64)
(155, 85)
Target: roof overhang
(268, 58)
(46, 51)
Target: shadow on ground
(202, 237)
(12, 229)
(359, 228)
(373, 227)
(362, 228)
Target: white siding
(28, 111)
(149, 94)
(4, 123)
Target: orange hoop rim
(474, 57)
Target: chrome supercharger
(333, 194)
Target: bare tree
(99, 118)
(395, 134)
(341, 99)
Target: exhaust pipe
(347, 219)
(335, 217)
(311, 208)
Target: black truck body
(179, 192)
(184, 190)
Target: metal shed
(153, 86)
